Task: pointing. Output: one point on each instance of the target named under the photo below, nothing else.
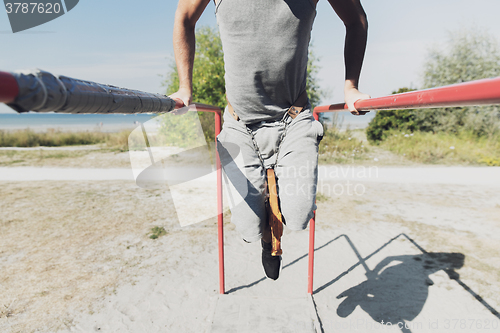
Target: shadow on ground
(397, 293)
(396, 290)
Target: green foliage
(157, 232)
(179, 130)
(55, 138)
(51, 138)
(320, 197)
(490, 161)
(314, 92)
(118, 141)
(208, 77)
(469, 55)
(448, 148)
(341, 147)
(386, 121)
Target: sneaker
(271, 264)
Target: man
(268, 121)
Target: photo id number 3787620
(32, 7)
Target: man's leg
(297, 170)
(243, 170)
(247, 175)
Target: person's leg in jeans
(243, 169)
(297, 170)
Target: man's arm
(352, 14)
(187, 14)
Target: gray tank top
(265, 45)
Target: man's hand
(351, 95)
(184, 95)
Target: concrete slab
(394, 286)
(244, 314)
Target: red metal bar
(478, 92)
(220, 218)
(8, 88)
(310, 273)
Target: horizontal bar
(478, 92)
(203, 107)
(41, 91)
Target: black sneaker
(272, 264)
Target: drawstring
(282, 136)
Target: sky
(129, 43)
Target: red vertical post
(312, 226)
(310, 273)
(220, 219)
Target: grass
(341, 147)
(100, 158)
(18, 158)
(320, 197)
(54, 138)
(444, 148)
(157, 232)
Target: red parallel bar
(478, 92)
(220, 219)
(310, 273)
(8, 88)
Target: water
(72, 122)
(116, 122)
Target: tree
(469, 55)
(208, 77)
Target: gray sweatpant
(296, 170)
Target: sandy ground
(421, 251)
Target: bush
(386, 121)
(51, 138)
(54, 138)
(469, 55)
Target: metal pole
(42, 91)
(478, 92)
(220, 218)
(312, 227)
(310, 273)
